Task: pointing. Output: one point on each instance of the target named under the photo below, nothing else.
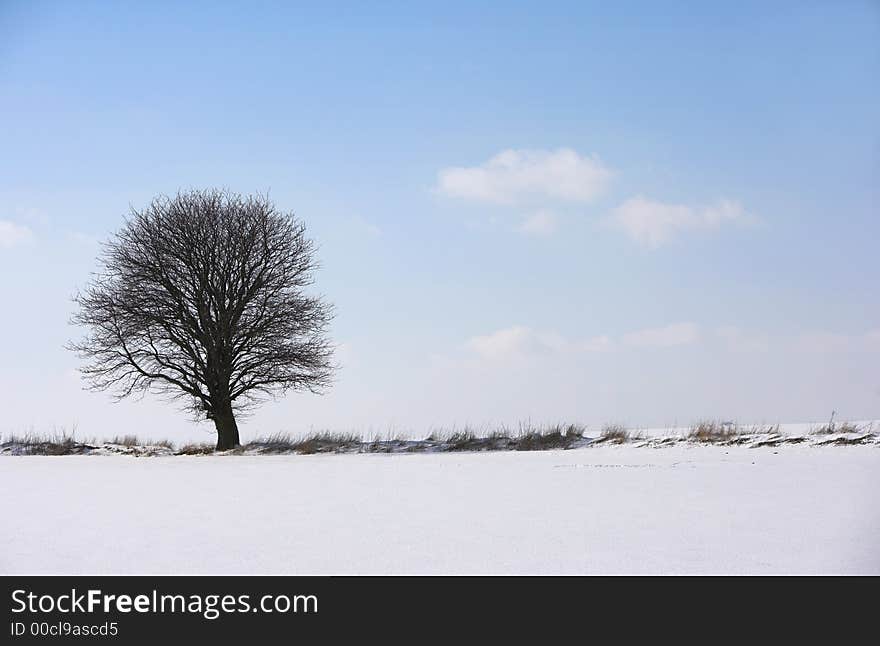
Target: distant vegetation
(525, 438)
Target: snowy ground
(611, 509)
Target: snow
(608, 509)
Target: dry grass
(126, 440)
(831, 427)
(387, 443)
(615, 434)
(712, 432)
(465, 440)
(759, 429)
(849, 441)
(195, 449)
(130, 441)
(527, 438)
(64, 443)
(553, 437)
(59, 442)
(321, 442)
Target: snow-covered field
(609, 509)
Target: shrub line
(527, 438)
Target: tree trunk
(227, 429)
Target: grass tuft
(712, 432)
(322, 442)
(552, 437)
(831, 428)
(58, 443)
(127, 440)
(615, 434)
(195, 449)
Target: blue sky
(638, 212)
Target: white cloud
(520, 340)
(517, 176)
(654, 223)
(523, 341)
(596, 344)
(505, 342)
(667, 336)
(540, 223)
(12, 234)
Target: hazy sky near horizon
(637, 212)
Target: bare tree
(202, 296)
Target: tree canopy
(203, 296)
